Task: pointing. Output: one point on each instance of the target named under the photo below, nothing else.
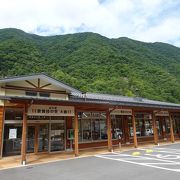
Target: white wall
(21, 93)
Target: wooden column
(109, 134)
(134, 129)
(36, 145)
(126, 129)
(1, 128)
(171, 128)
(154, 128)
(24, 134)
(76, 144)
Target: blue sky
(144, 20)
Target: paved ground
(161, 162)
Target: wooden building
(40, 114)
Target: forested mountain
(94, 63)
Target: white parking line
(162, 156)
(151, 158)
(169, 152)
(141, 164)
(169, 149)
(175, 163)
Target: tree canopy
(94, 63)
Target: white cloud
(146, 20)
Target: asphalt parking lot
(160, 162)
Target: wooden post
(76, 145)
(126, 129)
(24, 134)
(154, 129)
(171, 128)
(36, 145)
(134, 129)
(108, 118)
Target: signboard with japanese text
(161, 113)
(122, 112)
(46, 110)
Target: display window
(163, 126)
(144, 125)
(117, 126)
(95, 123)
(92, 126)
(86, 129)
(176, 123)
(57, 135)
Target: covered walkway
(41, 158)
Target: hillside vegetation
(94, 63)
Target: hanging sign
(12, 133)
(127, 112)
(161, 113)
(45, 110)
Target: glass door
(12, 139)
(57, 135)
(30, 138)
(43, 138)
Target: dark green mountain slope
(94, 63)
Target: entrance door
(12, 139)
(30, 138)
(57, 137)
(43, 138)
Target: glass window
(95, 129)
(44, 94)
(43, 138)
(167, 124)
(12, 146)
(130, 127)
(86, 128)
(176, 119)
(144, 124)
(14, 114)
(92, 126)
(117, 126)
(31, 93)
(163, 125)
(103, 129)
(57, 136)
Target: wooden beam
(76, 143)
(154, 129)
(134, 129)
(171, 128)
(31, 84)
(109, 134)
(32, 89)
(24, 134)
(36, 139)
(45, 85)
